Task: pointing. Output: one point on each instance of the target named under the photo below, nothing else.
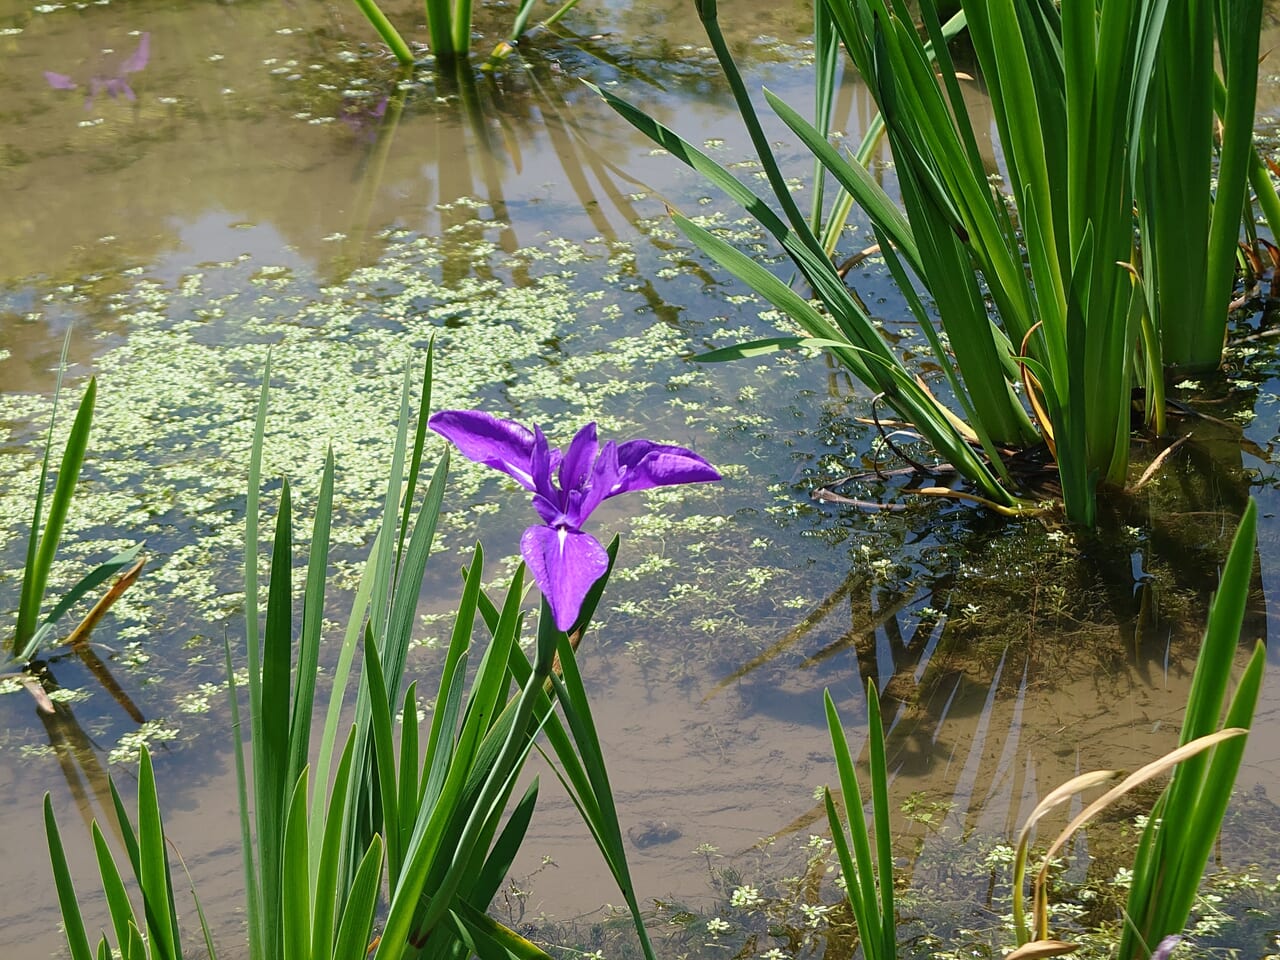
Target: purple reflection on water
(113, 82)
(362, 118)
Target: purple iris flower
(114, 83)
(566, 486)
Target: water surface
(273, 184)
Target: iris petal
(643, 464)
(541, 465)
(482, 437)
(564, 563)
(550, 513)
(578, 459)
(604, 477)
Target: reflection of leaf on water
(104, 677)
(879, 616)
(78, 640)
(78, 756)
(578, 156)
(111, 82)
(790, 638)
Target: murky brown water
(1010, 658)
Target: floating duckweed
(129, 747)
(173, 423)
(67, 695)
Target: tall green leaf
(312, 621)
(154, 877)
(72, 922)
(46, 532)
(1180, 834)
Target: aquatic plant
(1179, 834)
(567, 486)
(148, 857)
(33, 630)
(46, 531)
(1051, 352)
(843, 327)
(444, 829)
(1188, 236)
(449, 23)
(868, 874)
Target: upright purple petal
(643, 464)
(542, 463)
(576, 466)
(59, 81)
(564, 564)
(605, 474)
(482, 437)
(138, 59)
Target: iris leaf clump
(1040, 310)
(34, 627)
(437, 815)
(449, 25)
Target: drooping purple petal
(1166, 947)
(59, 81)
(482, 437)
(564, 564)
(138, 59)
(643, 464)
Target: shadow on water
(990, 642)
(79, 757)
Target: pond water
(274, 184)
